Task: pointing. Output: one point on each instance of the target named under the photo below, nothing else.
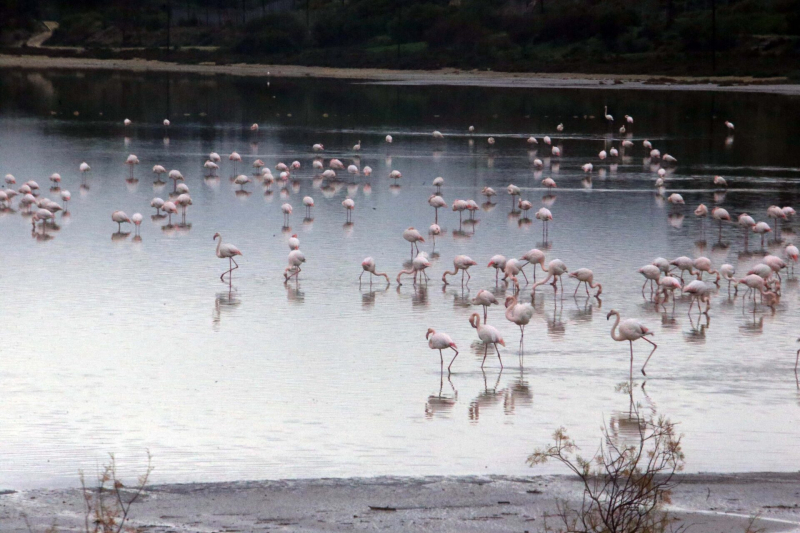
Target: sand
(420, 77)
(709, 503)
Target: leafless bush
(624, 485)
(109, 503)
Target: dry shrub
(624, 485)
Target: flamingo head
(430, 332)
(501, 341)
(491, 264)
(612, 312)
(215, 236)
(510, 300)
(474, 320)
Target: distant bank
(776, 85)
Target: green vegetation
(701, 37)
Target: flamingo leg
(643, 286)
(485, 351)
(451, 362)
(498, 356)
(484, 314)
(631, 371)
(441, 358)
(649, 356)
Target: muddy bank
(421, 77)
(718, 503)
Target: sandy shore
(710, 503)
(421, 77)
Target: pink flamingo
(484, 298)
(418, 265)
(462, 263)
(441, 341)
(488, 335)
(368, 265)
(631, 330)
(227, 251)
(436, 202)
(413, 236)
(498, 262)
(586, 276)
(349, 205)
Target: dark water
(113, 344)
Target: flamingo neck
(614, 334)
(219, 244)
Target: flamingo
(227, 251)
(533, 256)
(462, 263)
(602, 154)
(236, 158)
(684, 264)
(647, 144)
(357, 146)
(395, 174)
(588, 167)
(775, 263)
(484, 298)
(436, 202)
(729, 125)
(519, 314)
(171, 209)
(667, 283)
(491, 141)
(720, 182)
(131, 162)
(44, 215)
(349, 205)
(296, 258)
(158, 203)
(488, 192)
(754, 283)
(545, 216)
(555, 269)
(438, 182)
(158, 170)
(55, 177)
(792, 253)
(418, 265)
(498, 262)
(547, 140)
(524, 206)
(652, 274)
(777, 214)
(762, 228)
(703, 264)
(137, 221)
(629, 119)
(532, 140)
(175, 176)
(294, 242)
(433, 231)
(488, 335)
(699, 292)
(675, 199)
(441, 341)
(607, 116)
(10, 179)
(309, 203)
(586, 276)
(720, 215)
(614, 152)
(413, 236)
(66, 196)
(119, 217)
(727, 271)
(352, 169)
(287, 210)
(254, 128)
(84, 168)
(513, 190)
(513, 267)
(747, 223)
(538, 163)
(241, 180)
(127, 122)
(631, 330)
(367, 171)
(389, 139)
(317, 148)
(215, 157)
(368, 265)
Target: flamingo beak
(608, 316)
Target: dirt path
(708, 504)
(38, 40)
(419, 77)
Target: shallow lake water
(116, 344)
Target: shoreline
(708, 502)
(448, 77)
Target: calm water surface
(117, 345)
